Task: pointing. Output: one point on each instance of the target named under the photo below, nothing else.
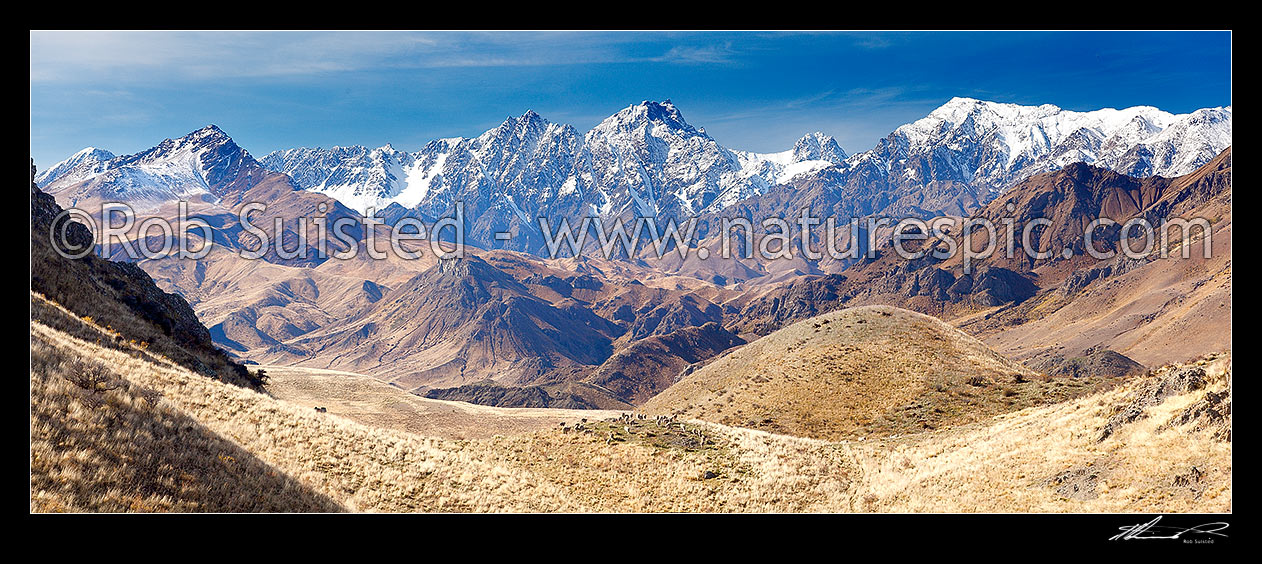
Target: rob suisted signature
(1151, 530)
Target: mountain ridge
(646, 160)
(1023, 140)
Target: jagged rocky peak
(206, 138)
(210, 132)
(386, 149)
(441, 145)
(209, 139)
(466, 266)
(648, 112)
(529, 121)
(818, 147)
(664, 112)
(518, 133)
(204, 161)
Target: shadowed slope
(653, 364)
(120, 295)
(101, 443)
(460, 322)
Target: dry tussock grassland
(375, 403)
(103, 443)
(162, 438)
(860, 372)
(1050, 459)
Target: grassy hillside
(370, 401)
(359, 467)
(1165, 453)
(857, 372)
(102, 443)
(120, 295)
(163, 438)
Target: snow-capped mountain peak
(202, 164)
(85, 161)
(647, 114)
(355, 175)
(818, 147)
(204, 140)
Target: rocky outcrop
(1176, 381)
(1093, 363)
(569, 395)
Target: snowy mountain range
(646, 160)
(993, 146)
(649, 160)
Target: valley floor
(120, 429)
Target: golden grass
(860, 372)
(112, 446)
(171, 440)
(369, 469)
(375, 403)
(1011, 464)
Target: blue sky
(126, 91)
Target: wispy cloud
(752, 90)
(83, 56)
(694, 55)
(810, 100)
(148, 57)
